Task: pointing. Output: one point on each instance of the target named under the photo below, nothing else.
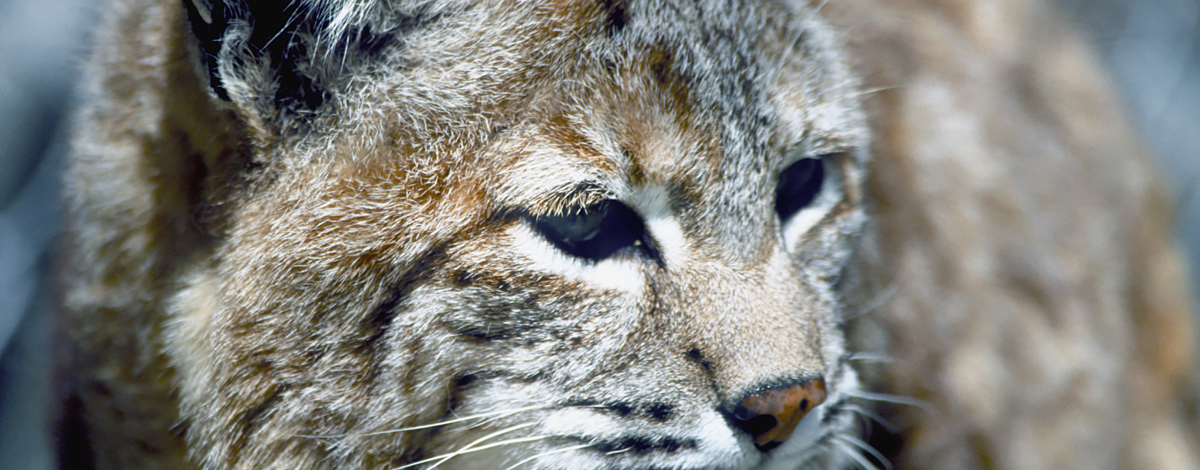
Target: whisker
(543, 454)
(851, 452)
(861, 444)
(871, 91)
(887, 398)
(869, 357)
(471, 447)
(467, 450)
(490, 414)
(880, 299)
(874, 417)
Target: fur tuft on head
(282, 61)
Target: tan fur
(265, 282)
(1037, 305)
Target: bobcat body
(595, 234)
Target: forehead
(662, 92)
(704, 94)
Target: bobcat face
(539, 236)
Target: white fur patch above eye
(615, 273)
(669, 235)
(652, 204)
(797, 225)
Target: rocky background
(1151, 46)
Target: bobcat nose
(771, 415)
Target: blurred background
(1151, 46)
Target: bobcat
(613, 234)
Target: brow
(581, 195)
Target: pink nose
(771, 415)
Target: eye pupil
(595, 232)
(799, 185)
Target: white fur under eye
(612, 273)
(802, 221)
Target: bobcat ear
(275, 61)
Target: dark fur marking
(636, 174)
(621, 409)
(508, 321)
(462, 278)
(377, 323)
(458, 387)
(253, 418)
(664, 70)
(583, 402)
(660, 412)
(682, 195)
(642, 445)
(698, 357)
(616, 16)
(610, 66)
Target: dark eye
(799, 185)
(595, 232)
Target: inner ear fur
(278, 62)
(244, 77)
(261, 56)
(204, 152)
(248, 75)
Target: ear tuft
(280, 61)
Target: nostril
(757, 425)
(770, 415)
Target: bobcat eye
(594, 232)
(799, 185)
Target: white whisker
(877, 301)
(861, 444)
(491, 414)
(471, 447)
(887, 398)
(543, 454)
(873, 417)
(851, 452)
(869, 357)
(871, 91)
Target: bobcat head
(503, 234)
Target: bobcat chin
(611, 235)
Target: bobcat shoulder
(614, 234)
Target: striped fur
(312, 234)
